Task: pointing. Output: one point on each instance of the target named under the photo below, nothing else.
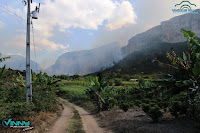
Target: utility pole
(28, 57)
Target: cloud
(18, 41)
(120, 36)
(149, 14)
(122, 14)
(87, 14)
(1, 25)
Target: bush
(65, 77)
(153, 112)
(13, 96)
(178, 105)
(118, 82)
(124, 106)
(146, 107)
(16, 109)
(111, 82)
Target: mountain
(167, 32)
(149, 60)
(145, 51)
(87, 61)
(18, 62)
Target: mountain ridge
(86, 61)
(168, 31)
(18, 62)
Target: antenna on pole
(35, 13)
(28, 57)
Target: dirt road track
(61, 124)
(89, 123)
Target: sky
(73, 25)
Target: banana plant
(3, 58)
(44, 80)
(189, 66)
(97, 91)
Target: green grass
(74, 89)
(75, 124)
(130, 83)
(72, 93)
(76, 82)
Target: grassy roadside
(75, 124)
(41, 121)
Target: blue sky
(66, 25)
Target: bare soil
(61, 124)
(136, 121)
(89, 123)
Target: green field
(73, 89)
(130, 83)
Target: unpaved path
(89, 123)
(61, 124)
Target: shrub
(13, 96)
(16, 109)
(111, 82)
(118, 82)
(178, 104)
(124, 106)
(146, 107)
(153, 112)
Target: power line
(12, 12)
(34, 44)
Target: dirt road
(89, 123)
(61, 124)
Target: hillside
(167, 31)
(145, 50)
(18, 62)
(87, 61)
(146, 60)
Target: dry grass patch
(41, 121)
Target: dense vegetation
(147, 60)
(13, 94)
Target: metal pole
(28, 62)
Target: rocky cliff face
(168, 31)
(87, 61)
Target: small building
(133, 80)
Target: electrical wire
(34, 44)
(12, 12)
(32, 30)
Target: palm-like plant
(189, 66)
(97, 91)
